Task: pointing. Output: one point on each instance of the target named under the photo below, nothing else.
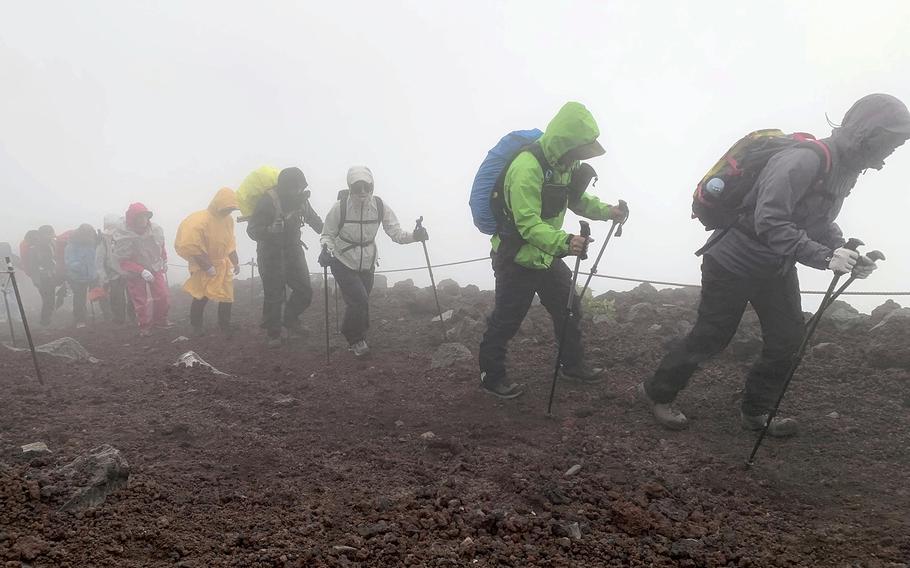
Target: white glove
(843, 260)
(864, 267)
(147, 276)
(211, 271)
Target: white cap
(359, 173)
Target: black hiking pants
(197, 312)
(355, 288)
(115, 304)
(515, 289)
(47, 288)
(80, 293)
(283, 266)
(724, 296)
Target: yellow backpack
(254, 186)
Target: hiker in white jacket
(349, 249)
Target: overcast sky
(107, 103)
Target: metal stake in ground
(585, 232)
(432, 281)
(28, 334)
(325, 288)
(852, 244)
(9, 315)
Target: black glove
(325, 257)
(420, 234)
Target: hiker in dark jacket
(275, 226)
(41, 266)
(792, 221)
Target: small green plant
(590, 306)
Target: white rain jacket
(354, 243)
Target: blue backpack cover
(498, 158)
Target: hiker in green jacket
(540, 184)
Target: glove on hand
(864, 267)
(420, 234)
(843, 260)
(147, 276)
(325, 257)
(620, 212)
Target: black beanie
(291, 179)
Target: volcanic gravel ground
(292, 462)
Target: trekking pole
(852, 244)
(432, 281)
(91, 305)
(585, 232)
(325, 286)
(616, 228)
(28, 334)
(337, 312)
(9, 315)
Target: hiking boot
(665, 414)
(167, 324)
(274, 342)
(81, 325)
(145, 332)
(360, 348)
(500, 388)
(581, 373)
(779, 428)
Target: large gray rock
(449, 287)
(449, 354)
(896, 321)
(87, 481)
(844, 317)
(879, 313)
(641, 312)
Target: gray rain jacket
(792, 218)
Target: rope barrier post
(9, 315)
(28, 333)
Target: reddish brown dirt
(225, 475)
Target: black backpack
(719, 201)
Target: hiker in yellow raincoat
(206, 240)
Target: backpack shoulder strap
(342, 208)
(380, 206)
(276, 202)
(536, 151)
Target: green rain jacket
(572, 127)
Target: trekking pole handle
(875, 255)
(853, 244)
(420, 221)
(584, 231)
(625, 206)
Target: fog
(107, 103)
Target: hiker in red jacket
(139, 251)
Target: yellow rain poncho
(210, 233)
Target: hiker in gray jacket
(349, 249)
(793, 209)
